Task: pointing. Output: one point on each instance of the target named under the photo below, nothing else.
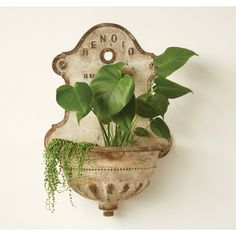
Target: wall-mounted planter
(110, 174)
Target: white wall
(193, 187)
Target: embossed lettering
(93, 44)
(103, 38)
(85, 52)
(88, 75)
(114, 38)
(123, 44)
(131, 51)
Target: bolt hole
(108, 55)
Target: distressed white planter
(113, 174)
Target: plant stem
(109, 133)
(105, 137)
(112, 132)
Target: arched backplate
(83, 62)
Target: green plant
(58, 155)
(110, 96)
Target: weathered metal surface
(114, 174)
(80, 65)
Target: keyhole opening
(108, 55)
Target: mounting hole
(108, 55)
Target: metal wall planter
(111, 174)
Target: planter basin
(112, 174)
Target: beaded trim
(118, 169)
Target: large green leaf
(125, 117)
(171, 60)
(77, 98)
(145, 109)
(159, 102)
(111, 90)
(110, 70)
(159, 127)
(169, 88)
(141, 132)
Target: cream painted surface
(193, 187)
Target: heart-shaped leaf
(75, 98)
(171, 60)
(145, 109)
(81, 114)
(141, 132)
(160, 128)
(159, 102)
(125, 117)
(111, 90)
(169, 88)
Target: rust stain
(113, 156)
(125, 188)
(94, 190)
(108, 206)
(140, 185)
(110, 188)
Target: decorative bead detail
(118, 169)
(62, 65)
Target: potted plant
(122, 167)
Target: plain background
(193, 187)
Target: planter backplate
(80, 65)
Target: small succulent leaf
(159, 102)
(125, 117)
(170, 89)
(141, 132)
(172, 59)
(111, 90)
(144, 109)
(77, 98)
(160, 128)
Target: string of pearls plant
(57, 156)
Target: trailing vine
(58, 155)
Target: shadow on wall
(165, 184)
(174, 172)
(206, 85)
